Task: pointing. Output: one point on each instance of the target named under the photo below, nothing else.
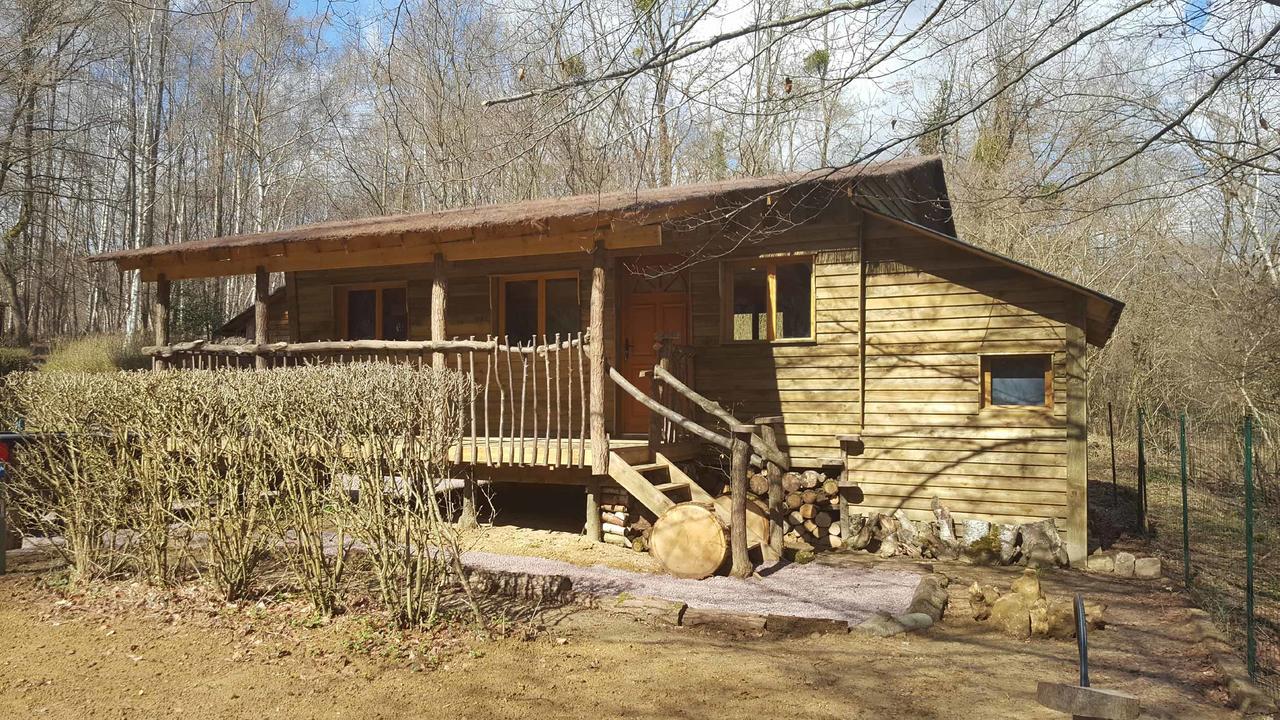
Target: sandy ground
(57, 661)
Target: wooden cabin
(837, 307)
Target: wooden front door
(651, 308)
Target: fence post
(1186, 528)
(1111, 436)
(1251, 641)
(1142, 476)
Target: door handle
(626, 349)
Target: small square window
(1017, 381)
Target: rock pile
(1026, 611)
(1125, 564)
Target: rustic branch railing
(531, 404)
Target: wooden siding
(812, 384)
(931, 313)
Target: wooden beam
(439, 302)
(595, 353)
(261, 291)
(772, 550)
(594, 525)
(326, 255)
(295, 310)
(1077, 440)
(160, 317)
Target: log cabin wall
(932, 313)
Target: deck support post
(772, 550)
(594, 525)
(261, 289)
(439, 305)
(1077, 449)
(740, 452)
(595, 352)
(160, 318)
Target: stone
(794, 626)
(971, 531)
(1040, 544)
(888, 548)
(1093, 614)
(1124, 564)
(930, 597)
(1008, 544)
(1038, 614)
(882, 624)
(1028, 586)
(907, 530)
(981, 598)
(1147, 568)
(1011, 614)
(1061, 619)
(946, 528)
(914, 621)
(1102, 563)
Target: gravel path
(810, 590)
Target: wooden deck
(570, 455)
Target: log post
(769, 433)
(595, 330)
(660, 393)
(594, 525)
(261, 289)
(741, 455)
(439, 305)
(160, 318)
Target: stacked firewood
(621, 524)
(811, 506)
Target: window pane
(750, 304)
(395, 314)
(564, 315)
(521, 310)
(1017, 380)
(362, 315)
(795, 308)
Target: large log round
(690, 541)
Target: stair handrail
(763, 449)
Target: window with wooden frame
(539, 305)
(1017, 381)
(768, 300)
(377, 311)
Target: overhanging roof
(908, 190)
(912, 188)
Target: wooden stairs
(658, 484)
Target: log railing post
(740, 452)
(595, 330)
(261, 289)
(160, 318)
(772, 550)
(439, 305)
(657, 424)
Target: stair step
(671, 487)
(643, 468)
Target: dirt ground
(68, 659)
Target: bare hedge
(159, 474)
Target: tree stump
(690, 541)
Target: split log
(612, 529)
(831, 488)
(758, 484)
(809, 497)
(690, 541)
(807, 511)
(835, 529)
(619, 540)
(793, 500)
(791, 482)
(813, 528)
(613, 519)
(794, 518)
(836, 541)
(823, 519)
(809, 479)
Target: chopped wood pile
(619, 519)
(811, 502)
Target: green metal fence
(1209, 496)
